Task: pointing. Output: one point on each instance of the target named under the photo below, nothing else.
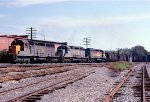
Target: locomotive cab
(17, 50)
(95, 55)
(63, 51)
(16, 47)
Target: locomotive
(80, 54)
(71, 54)
(33, 51)
(30, 51)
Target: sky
(110, 24)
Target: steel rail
(143, 97)
(51, 70)
(116, 89)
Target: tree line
(138, 53)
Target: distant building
(6, 40)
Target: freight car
(124, 57)
(111, 56)
(33, 51)
(114, 56)
(139, 58)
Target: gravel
(53, 79)
(90, 89)
(31, 74)
(127, 92)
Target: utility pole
(32, 32)
(44, 37)
(87, 41)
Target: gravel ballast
(52, 80)
(127, 93)
(90, 89)
(94, 87)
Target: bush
(3, 54)
(121, 65)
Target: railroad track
(23, 69)
(141, 87)
(26, 68)
(21, 73)
(145, 88)
(33, 73)
(28, 94)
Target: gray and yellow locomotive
(34, 50)
(30, 51)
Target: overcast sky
(110, 24)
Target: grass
(121, 65)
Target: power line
(32, 32)
(87, 41)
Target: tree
(138, 50)
(138, 53)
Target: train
(32, 51)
